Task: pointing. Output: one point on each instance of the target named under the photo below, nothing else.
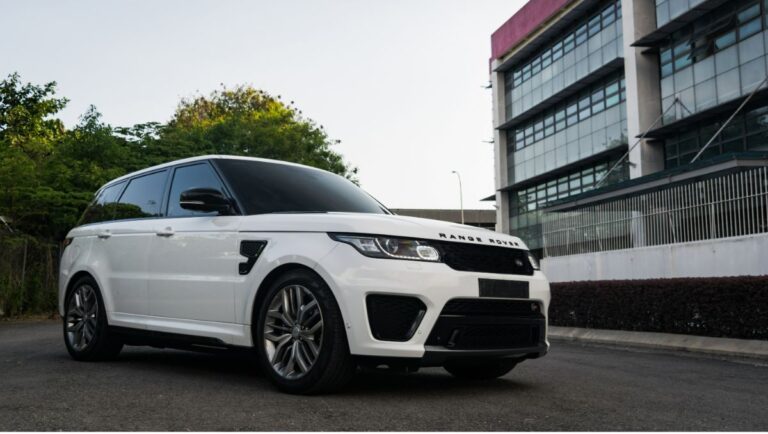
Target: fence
(729, 205)
(28, 275)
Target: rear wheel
(86, 333)
(480, 369)
(300, 336)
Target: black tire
(480, 369)
(333, 366)
(102, 345)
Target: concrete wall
(738, 256)
(500, 162)
(641, 75)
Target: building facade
(622, 124)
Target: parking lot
(575, 387)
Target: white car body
(179, 275)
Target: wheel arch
(273, 275)
(71, 284)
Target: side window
(142, 197)
(102, 208)
(188, 177)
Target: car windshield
(263, 187)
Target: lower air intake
(394, 317)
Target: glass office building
(594, 126)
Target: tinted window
(187, 177)
(103, 207)
(264, 187)
(142, 197)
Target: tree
(49, 174)
(250, 122)
(28, 133)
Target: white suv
(302, 265)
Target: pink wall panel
(527, 19)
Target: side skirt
(137, 337)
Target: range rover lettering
(300, 265)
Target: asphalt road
(573, 388)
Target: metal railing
(729, 205)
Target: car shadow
(241, 367)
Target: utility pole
(461, 196)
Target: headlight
(534, 262)
(390, 247)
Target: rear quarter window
(103, 206)
(142, 197)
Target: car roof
(200, 158)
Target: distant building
(484, 218)
(577, 84)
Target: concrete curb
(666, 341)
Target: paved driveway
(573, 388)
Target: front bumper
(353, 277)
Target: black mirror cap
(205, 200)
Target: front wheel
(480, 369)
(86, 333)
(300, 336)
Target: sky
(400, 83)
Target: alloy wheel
(293, 331)
(82, 317)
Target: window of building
(579, 35)
(710, 34)
(526, 204)
(746, 132)
(587, 104)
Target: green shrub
(734, 307)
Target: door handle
(104, 234)
(167, 232)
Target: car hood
(378, 224)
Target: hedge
(734, 307)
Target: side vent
(251, 250)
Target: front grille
(394, 317)
(485, 259)
(479, 324)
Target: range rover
(300, 265)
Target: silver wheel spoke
(287, 305)
(298, 350)
(317, 327)
(313, 348)
(304, 309)
(281, 316)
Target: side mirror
(205, 200)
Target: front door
(193, 260)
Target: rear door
(194, 257)
(125, 241)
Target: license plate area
(503, 288)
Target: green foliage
(244, 121)
(48, 174)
